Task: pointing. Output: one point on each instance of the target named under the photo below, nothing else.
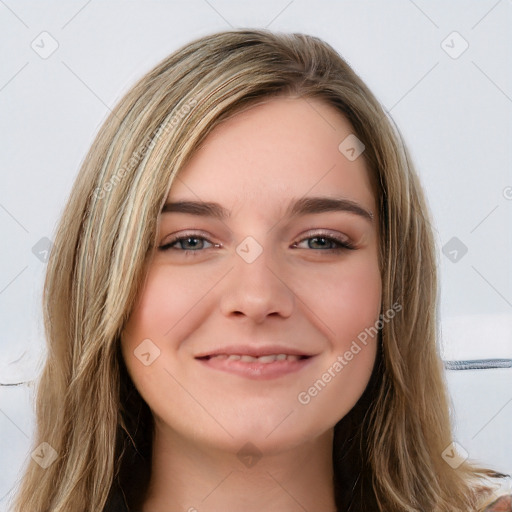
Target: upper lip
(255, 351)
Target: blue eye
(196, 243)
(338, 243)
(192, 244)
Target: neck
(186, 477)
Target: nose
(257, 289)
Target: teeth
(262, 359)
(268, 359)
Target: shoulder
(502, 504)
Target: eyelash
(342, 245)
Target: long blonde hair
(387, 451)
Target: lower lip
(255, 370)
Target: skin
(307, 297)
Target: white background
(453, 107)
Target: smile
(261, 359)
(264, 367)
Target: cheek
(349, 309)
(358, 299)
(167, 298)
(168, 308)
(142, 342)
(344, 299)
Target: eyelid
(187, 232)
(176, 237)
(343, 240)
(324, 232)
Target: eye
(192, 243)
(322, 242)
(187, 243)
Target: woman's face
(261, 272)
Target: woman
(241, 302)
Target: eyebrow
(303, 206)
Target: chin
(267, 435)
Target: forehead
(271, 152)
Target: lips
(255, 351)
(256, 362)
(270, 358)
